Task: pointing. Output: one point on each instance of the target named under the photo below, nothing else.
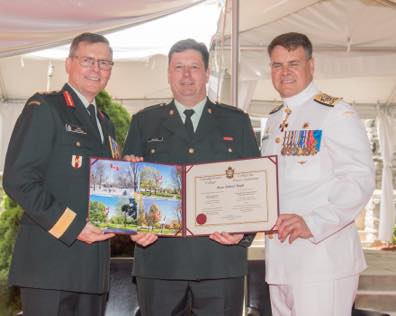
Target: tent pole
(235, 52)
(3, 94)
(49, 75)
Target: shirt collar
(301, 97)
(82, 98)
(198, 108)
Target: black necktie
(188, 123)
(92, 116)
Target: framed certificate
(184, 200)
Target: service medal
(115, 149)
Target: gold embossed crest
(230, 173)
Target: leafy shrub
(9, 221)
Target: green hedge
(117, 113)
(9, 220)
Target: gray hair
(89, 38)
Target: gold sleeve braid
(63, 223)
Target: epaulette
(54, 92)
(36, 98)
(153, 107)
(276, 109)
(229, 107)
(327, 100)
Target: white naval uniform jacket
(328, 189)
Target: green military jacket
(224, 133)
(47, 172)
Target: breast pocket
(76, 143)
(302, 168)
(225, 149)
(71, 155)
(157, 150)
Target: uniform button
(230, 150)
(277, 140)
(152, 150)
(78, 144)
(191, 151)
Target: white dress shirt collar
(296, 100)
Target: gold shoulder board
(326, 99)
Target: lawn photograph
(127, 197)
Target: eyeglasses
(85, 61)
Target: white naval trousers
(324, 298)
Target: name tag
(156, 140)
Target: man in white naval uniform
(326, 177)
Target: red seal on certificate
(201, 219)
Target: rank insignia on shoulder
(68, 99)
(327, 100)
(276, 109)
(229, 107)
(34, 102)
(76, 161)
(48, 92)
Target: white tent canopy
(31, 25)
(139, 53)
(354, 46)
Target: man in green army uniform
(61, 261)
(202, 275)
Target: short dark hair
(292, 41)
(90, 38)
(189, 43)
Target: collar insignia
(68, 99)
